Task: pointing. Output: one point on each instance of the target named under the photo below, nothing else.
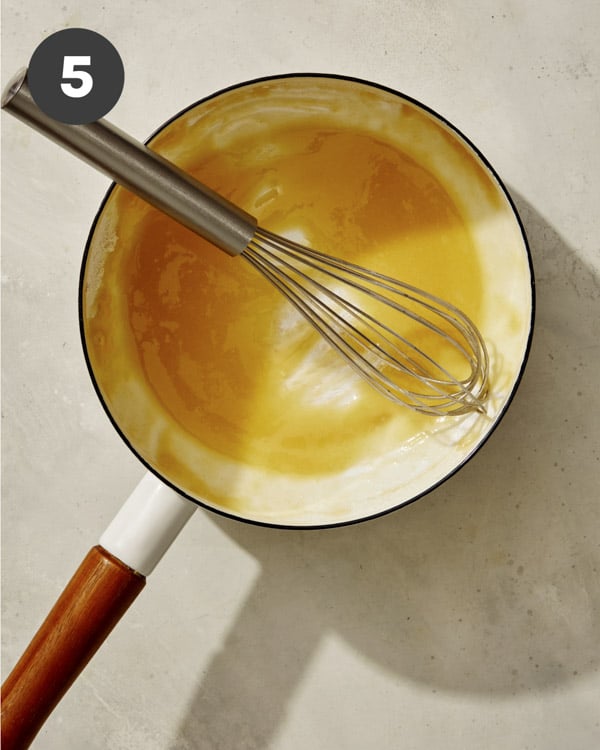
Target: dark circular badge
(76, 76)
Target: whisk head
(413, 347)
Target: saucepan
(219, 387)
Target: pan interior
(217, 383)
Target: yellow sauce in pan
(226, 356)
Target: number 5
(69, 71)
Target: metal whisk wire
(394, 364)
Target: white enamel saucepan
(222, 390)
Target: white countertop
(468, 620)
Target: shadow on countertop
(489, 585)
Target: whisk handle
(139, 169)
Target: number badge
(76, 76)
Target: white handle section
(147, 525)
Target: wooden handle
(90, 606)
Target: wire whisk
(413, 347)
